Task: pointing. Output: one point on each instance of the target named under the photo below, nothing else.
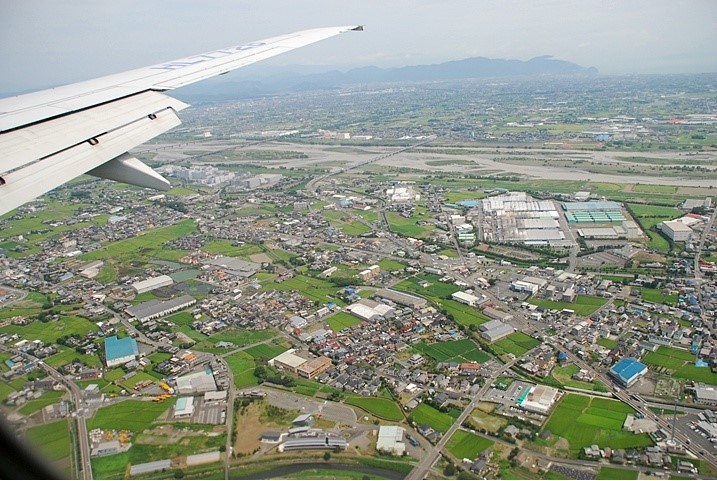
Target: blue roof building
(120, 351)
(627, 371)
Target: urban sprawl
(514, 286)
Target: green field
(242, 366)
(584, 420)
(563, 374)
(463, 314)
(517, 343)
(408, 226)
(583, 305)
(389, 265)
(426, 414)
(379, 407)
(48, 332)
(132, 415)
(654, 295)
(642, 210)
(466, 445)
(227, 248)
(617, 473)
(53, 443)
(681, 363)
(342, 320)
(668, 357)
(464, 350)
(607, 343)
(265, 351)
(434, 289)
(149, 244)
(317, 290)
(238, 337)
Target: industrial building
(390, 439)
(705, 393)
(539, 399)
(368, 310)
(106, 448)
(401, 298)
(145, 468)
(320, 442)
(494, 330)
(184, 407)
(120, 351)
(522, 286)
(628, 371)
(235, 267)
(675, 230)
(203, 458)
(517, 217)
(468, 299)
(628, 230)
(152, 283)
(155, 309)
(197, 383)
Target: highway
(681, 436)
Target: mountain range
(475, 67)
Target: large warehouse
(517, 217)
(675, 230)
(152, 283)
(390, 439)
(628, 371)
(120, 351)
(155, 308)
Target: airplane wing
(50, 137)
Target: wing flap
(131, 170)
(21, 147)
(50, 137)
(37, 178)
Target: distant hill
(476, 67)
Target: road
(85, 467)
(701, 245)
(681, 436)
(229, 420)
(424, 466)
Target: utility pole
(674, 421)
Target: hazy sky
(51, 42)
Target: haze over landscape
(95, 38)
(475, 241)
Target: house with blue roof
(628, 371)
(120, 351)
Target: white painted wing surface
(50, 137)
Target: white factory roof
(464, 296)
(203, 458)
(706, 392)
(538, 223)
(363, 311)
(152, 283)
(390, 438)
(289, 359)
(677, 226)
